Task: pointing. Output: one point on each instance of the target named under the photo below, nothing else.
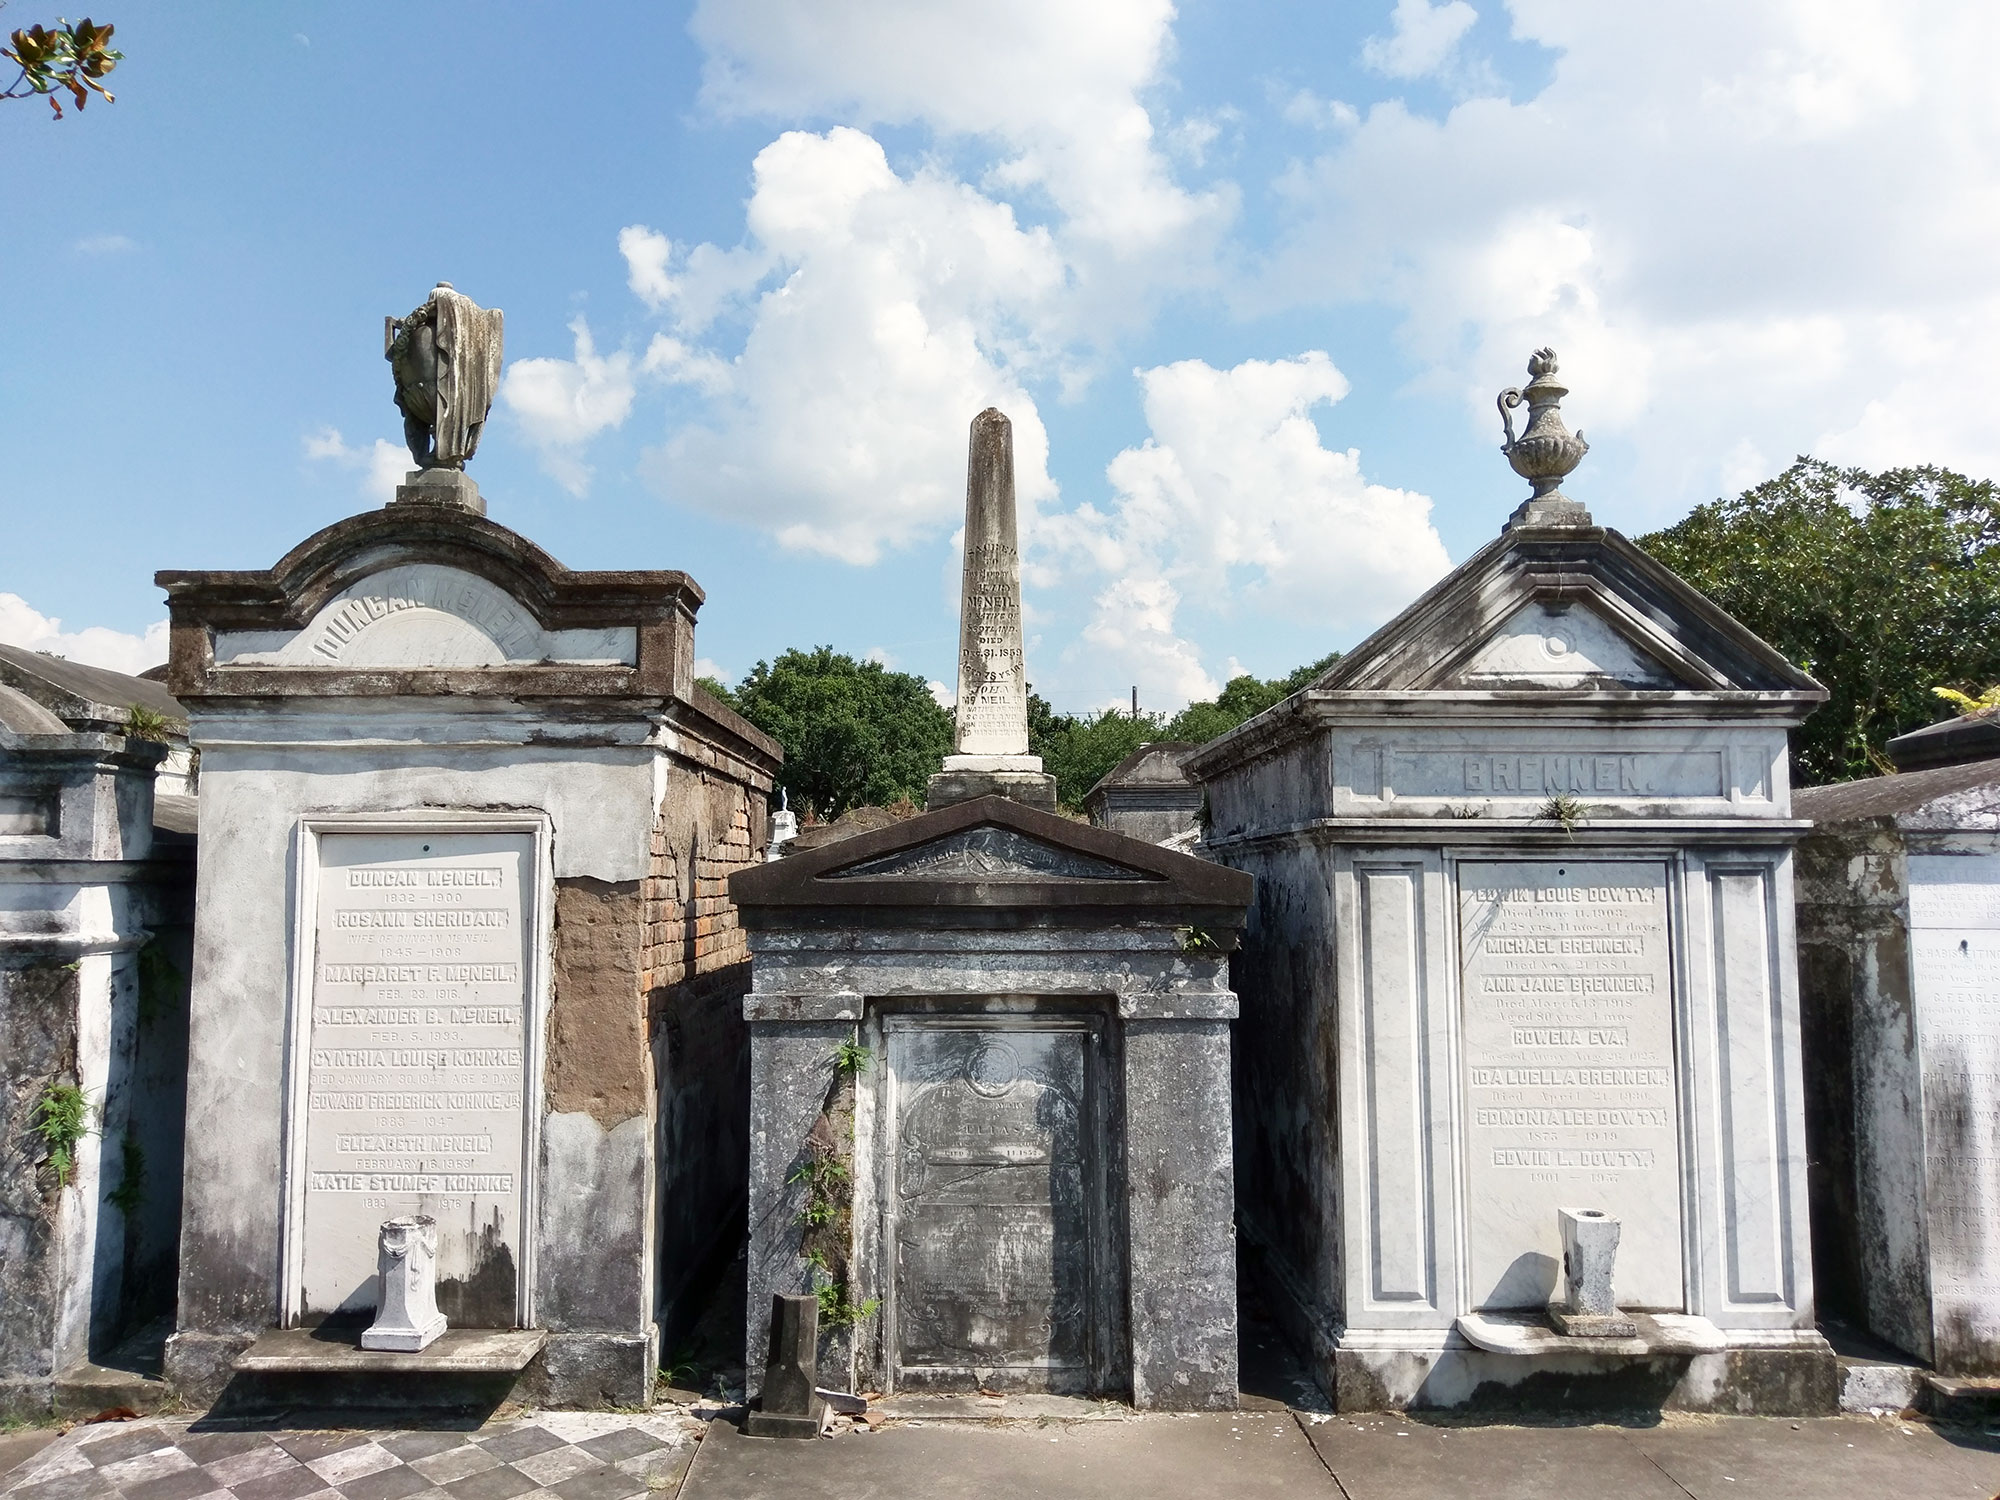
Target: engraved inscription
(1955, 959)
(459, 595)
(992, 1227)
(1404, 771)
(990, 668)
(1570, 1073)
(415, 1065)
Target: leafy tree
(1078, 751)
(1243, 697)
(1883, 586)
(1970, 703)
(1091, 746)
(71, 56)
(853, 732)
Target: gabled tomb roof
(1559, 619)
(990, 862)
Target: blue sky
(1245, 275)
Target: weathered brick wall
(691, 926)
(697, 969)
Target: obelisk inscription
(992, 687)
(991, 739)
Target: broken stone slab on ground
(791, 1405)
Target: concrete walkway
(686, 1453)
(1258, 1453)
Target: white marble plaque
(414, 1053)
(1955, 958)
(1570, 1098)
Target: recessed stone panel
(1570, 1076)
(1955, 959)
(414, 1058)
(990, 1206)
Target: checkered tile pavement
(566, 1455)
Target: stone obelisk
(992, 738)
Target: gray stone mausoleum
(990, 1070)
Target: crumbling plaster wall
(1286, 1084)
(1864, 1105)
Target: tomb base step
(1788, 1373)
(456, 1351)
(86, 1389)
(1879, 1386)
(1021, 1406)
(1959, 1401)
(1655, 1334)
(466, 1372)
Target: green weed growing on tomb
(62, 1120)
(131, 1189)
(1564, 809)
(1199, 942)
(850, 1058)
(142, 723)
(835, 1310)
(825, 1179)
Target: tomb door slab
(993, 1202)
(1571, 1078)
(410, 1063)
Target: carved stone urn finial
(1546, 451)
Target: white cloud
(562, 403)
(1055, 84)
(897, 309)
(382, 463)
(1304, 107)
(1235, 496)
(881, 656)
(1746, 229)
(97, 646)
(836, 354)
(106, 244)
(1422, 39)
(942, 694)
(646, 252)
(708, 667)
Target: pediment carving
(987, 853)
(1552, 645)
(424, 615)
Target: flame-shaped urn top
(1546, 451)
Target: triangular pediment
(987, 853)
(1550, 644)
(1564, 610)
(993, 855)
